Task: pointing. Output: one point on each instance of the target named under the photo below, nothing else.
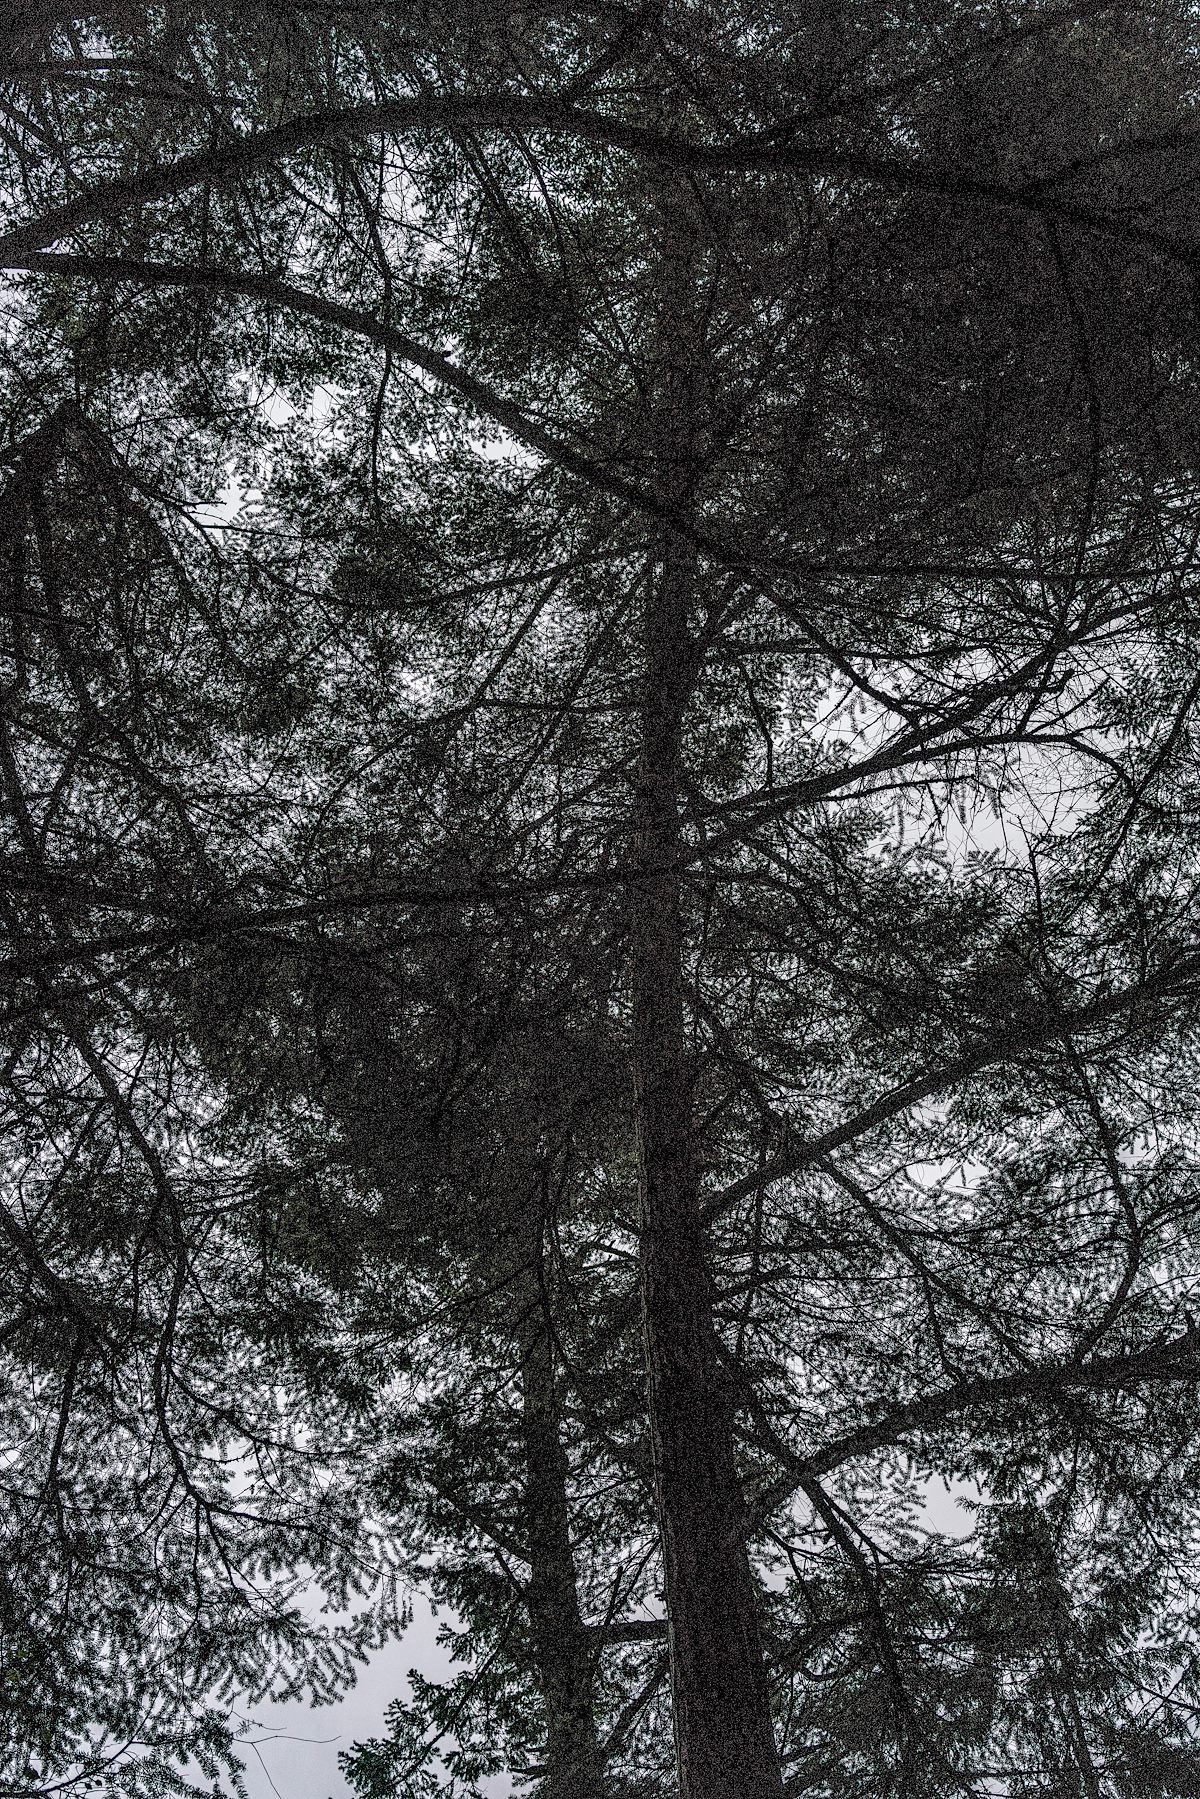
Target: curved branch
(1176, 1360)
(492, 404)
(549, 113)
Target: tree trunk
(723, 1738)
(564, 1662)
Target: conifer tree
(823, 387)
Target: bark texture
(565, 1666)
(723, 1737)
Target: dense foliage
(598, 750)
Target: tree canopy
(598, 741)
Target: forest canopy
(600, 658)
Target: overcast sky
(294, 1753)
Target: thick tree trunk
(723, 1738)
(565, 1669)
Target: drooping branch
(756, 154)
(490, 403)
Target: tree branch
(550, 113)
(1174, 977)
(492, 404)
(1178, 1359)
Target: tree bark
(565, 1664)
(723, 1737)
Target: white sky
(294, 1755)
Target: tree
(886, 442)
(155, 1463)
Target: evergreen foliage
(598, 746)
